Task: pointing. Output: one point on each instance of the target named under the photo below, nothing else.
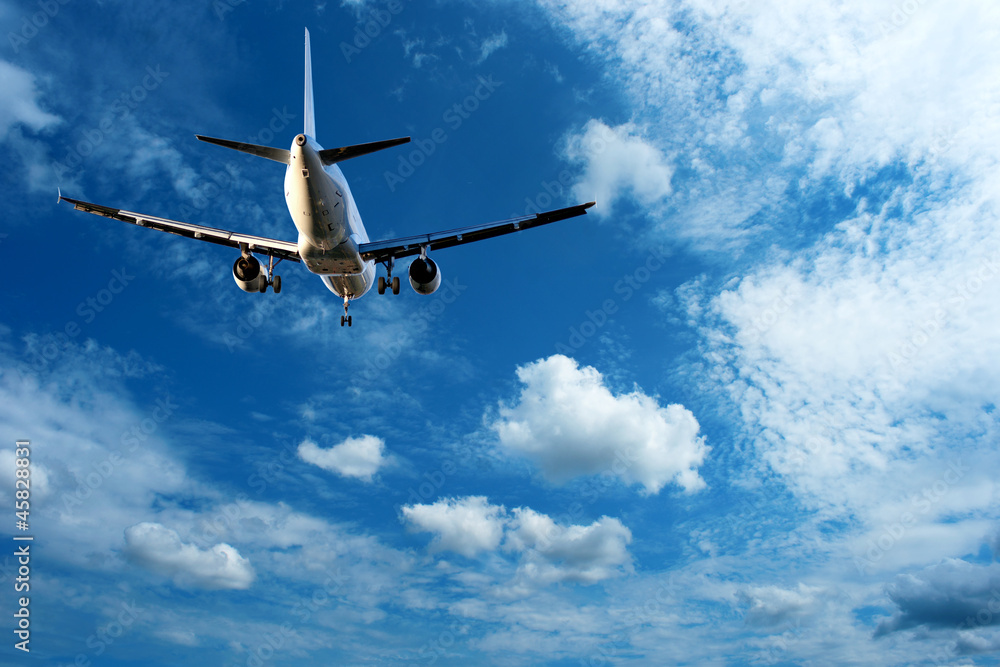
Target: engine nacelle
(249, 275)
(425, 277)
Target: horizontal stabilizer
(276, 154)
(334, 155)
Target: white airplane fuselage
(322, 207)
(332, 242)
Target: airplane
(332, 241)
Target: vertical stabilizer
(310, 112)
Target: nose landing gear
(345, 318)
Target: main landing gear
(388, 281)
(251, 276)
(345, 318)
(272, 280)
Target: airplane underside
(332, 242)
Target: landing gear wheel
(276, 285)
(395, 285)
(381, 285)
(345, 318)
(263, 286)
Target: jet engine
(249, 275)
(425, 277)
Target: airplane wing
(381, 251)
(258, 244)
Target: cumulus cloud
(547, 552)
(354, 457)
(771, 606)
(160, 549)
(616, 161)
(569, 423)
(583, 554)
(952, 594)
(467, 526)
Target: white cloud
(19, 101)
(569, 423)
(547, 552)
(843, 359)
(492, 44)
(178, 636)
(39, 475)
(772, 605)
(753, 101)
(617, 161)
(160, 549)
(354, 457)
(467, 526)
(584, 554)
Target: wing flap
(259, 244)
(380, 251)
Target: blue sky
(743, 412)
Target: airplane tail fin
(328, 156)
(310, 108)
